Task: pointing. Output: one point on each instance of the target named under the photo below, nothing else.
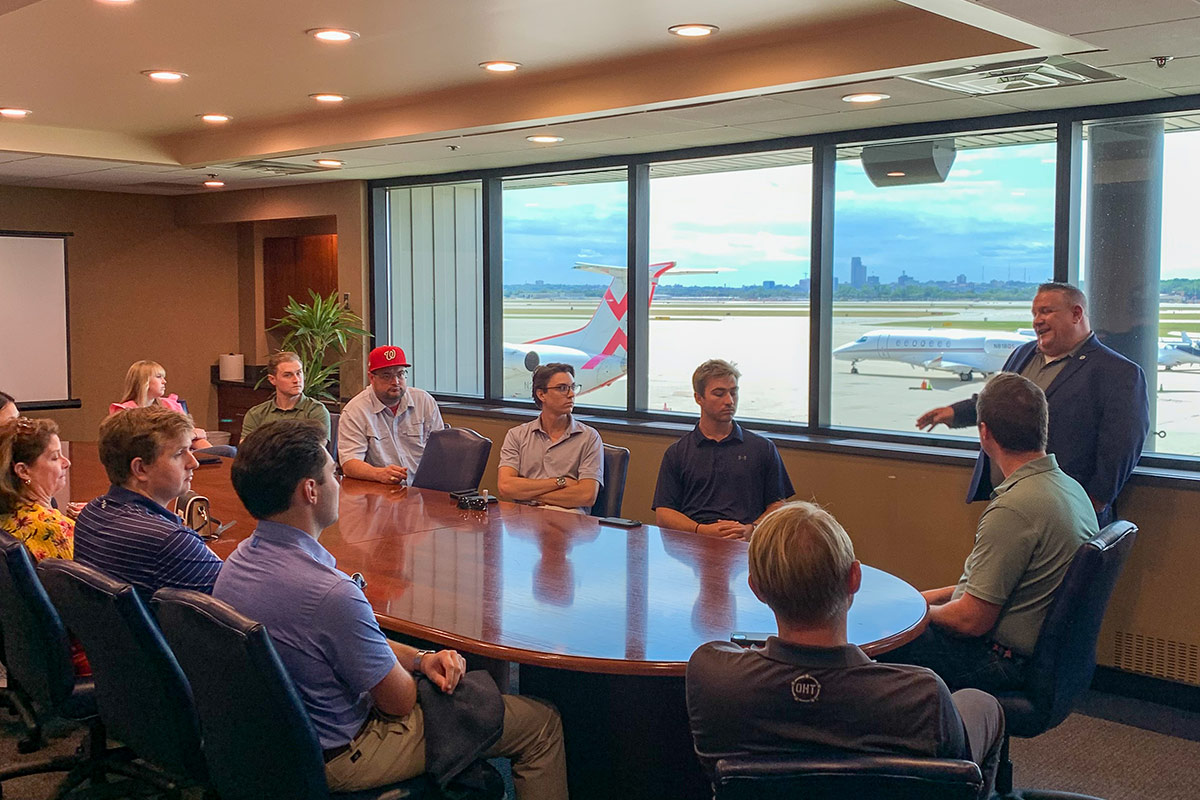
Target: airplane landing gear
(965, 376)
(853, 367)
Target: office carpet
(1112, 747)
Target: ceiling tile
(52, 167)
(736, 112)
(1143, 42)
(867, 118)
(1177, 73)
(1079, 16)
(902, 92)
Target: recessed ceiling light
(332, 34)
(866, 97)
(164, 75)
(693, 29)
(543, 138)
(500, 66)
(214, 182)
(215, 119)
(328, 162)
(326, 97)
(896, 174)
(15, 113)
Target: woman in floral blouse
(32, 469)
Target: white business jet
(597, 351)
(963, 352)
(1178, 353)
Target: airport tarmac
(769, 343)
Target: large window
(933, 280)
(729, 252)
(434, 284)
(565, 249)
(1139, 265)
(936, 247)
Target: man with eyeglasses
(554, 459)
(383, 429)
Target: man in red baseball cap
(383, 429)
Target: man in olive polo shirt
(983, 630)
(286, 374)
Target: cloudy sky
(991, 220)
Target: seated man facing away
(384, 427)
(554, 459)
(720, 479)
(129, 533)
(808, 688)
(357, 686)
(982, 631)
(286, 374)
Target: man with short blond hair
(128, 533)
(286, 374)
(720, 479)
(808, 687)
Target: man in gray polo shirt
(983, 630)
(357, 686)
(286, 374)
(383, 429)
(808, 687)
(555, 459)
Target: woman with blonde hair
(146, 384)
(32, 469)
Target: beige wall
(141, 286)
(909, 518)
(179, 280)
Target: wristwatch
(417, 659)
(560, 482)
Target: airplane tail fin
(606, 332)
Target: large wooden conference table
(600, 619)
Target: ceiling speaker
(903, 163)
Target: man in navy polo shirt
(356, 685)
(128, 533)
(720, 479)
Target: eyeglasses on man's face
(338, 474)
(391, 375)
(565, 388)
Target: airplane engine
(532, 360)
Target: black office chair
(38, 657)
(244, 695)
(142, 696)
(331, 445)
(20, 705)
(454, 459)
(612, 493)
(1064, 659)
(837, 776)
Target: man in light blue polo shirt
(384, 428)
(983, 630)
(554, 459)
(356, 685)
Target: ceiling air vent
(1014, 76)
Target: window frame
(817, 432)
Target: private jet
(1180, 353)
(963, 352)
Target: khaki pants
(391, 750)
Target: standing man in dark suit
(1099, 410)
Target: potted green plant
(320, 332)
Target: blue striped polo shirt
(133, 539)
